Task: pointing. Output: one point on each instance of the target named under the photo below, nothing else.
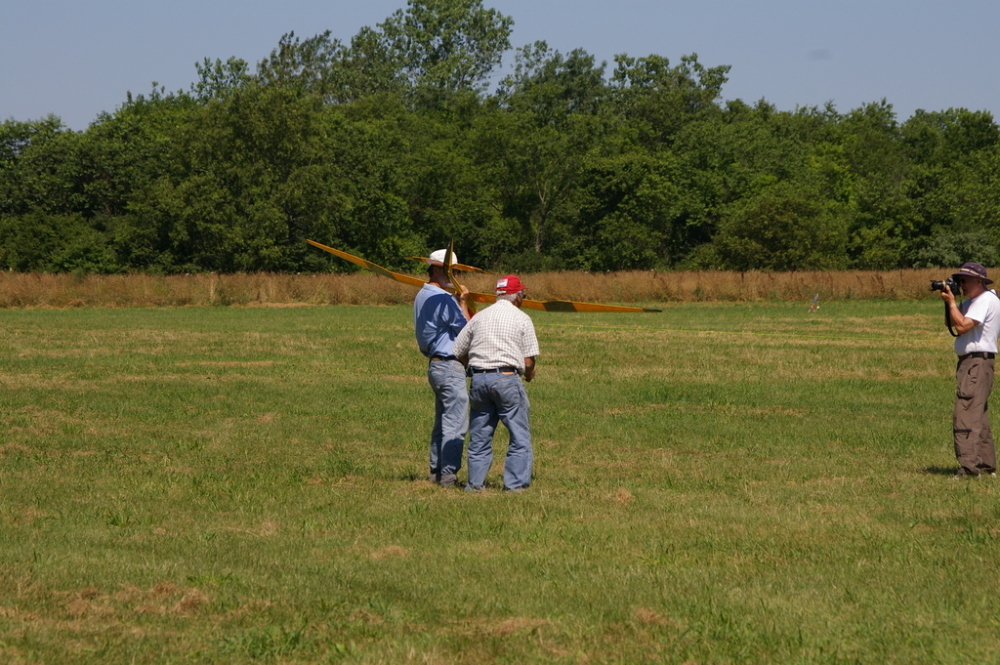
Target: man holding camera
(977, 323)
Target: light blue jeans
(493, 398)
(451, 419)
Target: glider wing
(573, 306)
(374, 267)
(540, 305)
(454, 266)
(449, 269)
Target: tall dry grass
(722, 286)
(23, 290)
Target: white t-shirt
(985, 310)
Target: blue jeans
(499, 397)
(451, 421)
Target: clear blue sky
(77, 58)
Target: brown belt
(494, 370)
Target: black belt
(979, 354)
(495, 370)
(439, 358)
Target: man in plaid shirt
(500, 346)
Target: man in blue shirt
(438, 317)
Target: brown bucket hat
(973, 270)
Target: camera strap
(947, 321)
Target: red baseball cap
(509, 285)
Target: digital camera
(938, 285)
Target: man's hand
(462, 296)
(947, 295)
(529, 369)
(961, 323)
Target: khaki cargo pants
(974, 447)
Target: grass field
(718, 483)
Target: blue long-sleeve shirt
(437, 320)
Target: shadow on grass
(940, 470)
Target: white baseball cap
(437, 257)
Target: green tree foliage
(406, 135)
(658, 100)
(630, 207)
(55, 243)
(447, 45)
(219, 79)
(549, 122)
(784, 227)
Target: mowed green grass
(716, 483)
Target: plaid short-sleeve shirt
(499, 336)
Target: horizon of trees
(400, 139)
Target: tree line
(403, 137)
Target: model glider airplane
(541, 305)
(455, 266)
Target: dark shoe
(474, 489)
(434, 477)
(448, 480)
